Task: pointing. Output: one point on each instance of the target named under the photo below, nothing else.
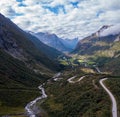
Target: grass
(13, 101)
(18, 85)
(11, 110)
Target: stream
(29, 106)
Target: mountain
(51, 40)
(100, 40)
(54, 41)
(21, 68)
(50, 52)
(18, 44)
(25, 63)
(102, 46)
(21, 62)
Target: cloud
(111, 30)
(6, 7)
(66, 18)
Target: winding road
(98, 70)
(30, 105)
(114, 103)
(56, 77)
(70, 79)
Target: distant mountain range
(103, 47)
(52, 40)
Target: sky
(66, 18)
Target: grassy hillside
(112, 66)
(13, 101)
(14, 40)
(23, 67)
(80, 99)
(18, 84)
(114, 86)
(16, 70)
(103, 51)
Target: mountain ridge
(18, 43)
(103, 50)
(23, 67)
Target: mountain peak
(104, 27)
(51, 35)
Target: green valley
(67, 74)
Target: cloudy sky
(66, 18)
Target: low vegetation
(13, 101)
(114, 85)
(80, 99)
(18, 85)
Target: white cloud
(68, 21)
(107, 4)
(111, 30)
(6, 7)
